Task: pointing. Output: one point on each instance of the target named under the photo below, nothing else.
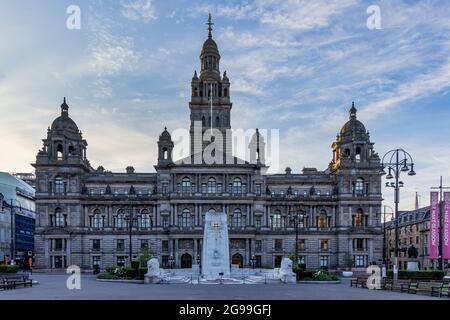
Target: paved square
(53, 287)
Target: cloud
(139, 10)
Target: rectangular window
(165, 261)
(204, 188)
(96, 244)
(59, 262)
(324, 261)
(324, 245)
(258, 245)
(360, 261)
(258, 189)
(165, 246)
(278, 244)
(277, 261)
(165, 188)
(96, 262)
(359, 244)
(144, 244)
(219, 188)
(121, 261)
(165, 222)
(258, 222)
(120, 244)
(258, 263)
(301, 244)
(301, 260)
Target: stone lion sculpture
(153, 268)
(286, 267)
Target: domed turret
(353, 126)
(64, 122)
(165, 148)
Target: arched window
(59, 152)
(237, 186)
(358, 154)
(60, 219)
(237, 218)
(347, 152)
(276, 220)
(59, 184)
(186, 219)
(145, 219)
(97, 219)
(165, 154)
(120, 219)
(359, 186)
(71, 150)
(185, 185)
(225, 92)
(212, 185)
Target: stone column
(247, 252)
(176, 254)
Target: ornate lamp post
(396, 161)
(295, 217)
(385, 253)
(131, 218)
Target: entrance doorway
(186, 261)
(237, 259)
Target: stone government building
(83, 214)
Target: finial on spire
(64, 107)
(353, 110)
(210, 24)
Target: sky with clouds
(294, 65)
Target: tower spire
(64, 108)
(210, 24)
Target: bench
(391, 285)
(423, 287)
(12, 282)
(359, 282)
(442, 291)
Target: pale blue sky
(293, 65)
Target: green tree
(145, 255)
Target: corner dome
(353, 125)
(64, 122)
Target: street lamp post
(295, 217)
(396, 161)
(385, 253)
(171, 261)
(199, 260)
(131, 218)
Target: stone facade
(413, 229)
(83, 213)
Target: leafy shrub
(141, 273)
(123, 272)
(108, 276)
(135, 265)
(6, 268)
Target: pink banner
(446, 227)
(434, 225)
